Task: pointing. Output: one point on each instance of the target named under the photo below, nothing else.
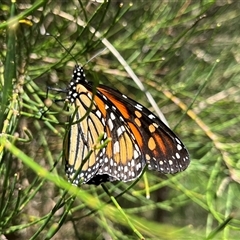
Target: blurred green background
(185, 53)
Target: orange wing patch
(101, 106)
(151, 143)
(126, 148)
(161, 144)
(137, 134)
(109, 147)
(120, 106)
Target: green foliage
(185, 53)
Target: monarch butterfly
(138, 137)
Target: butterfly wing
(160, 148)
(138, 137)
(121, 159)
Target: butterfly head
(78, 77)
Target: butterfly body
(138, 138)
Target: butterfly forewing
(161, 148)
(138, 137)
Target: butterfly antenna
(49, 34)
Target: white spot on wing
(116, 148)
(121, 118)
(179, 147)
(151, 116)
(120, 131)
(177, 140)
(135, 154)
(138, 166)
(139, 107)
(110, 124)
(106, 169)
(104, 97)
(98, 113)
(112, 116)
(177, 155)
